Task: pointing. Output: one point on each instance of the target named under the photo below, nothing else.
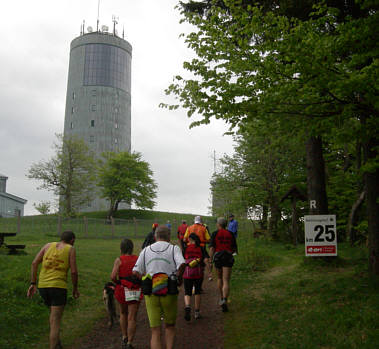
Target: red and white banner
(320, 249)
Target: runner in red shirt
(222, 246)
(193, 275)
(128, 291)
(181, 231)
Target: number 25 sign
(320, 235)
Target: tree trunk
(372, 198)
(316, 188)
(294, 222)
(353, 218)
(67, 205)
(273, 222)
(116, 206)
(111, 210)
(113, 206)
(263, 222)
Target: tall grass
(24, 322)
(281, 299)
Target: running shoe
(124, 343)
(224, 306)
(197, 314)
(187, 313)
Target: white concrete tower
(98, 101)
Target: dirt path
(205, 333)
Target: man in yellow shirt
(56, 259)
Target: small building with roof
(10, 205)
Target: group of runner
(155, 274)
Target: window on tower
(92, 123)
(106, 65)
(71, 125)
(93, 107)
(92, 139)
(73, 95)
(116, 125)
(116, 140)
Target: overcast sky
(34, 56)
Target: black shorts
(223, 259)
(190, 283)
(53, 296)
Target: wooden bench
(14, 249)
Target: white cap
(197, 219)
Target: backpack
(161, 283)
(195, 272)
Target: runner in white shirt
(160, 261)
(160, 257)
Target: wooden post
(112, 226)
(85, 226)
(18, 222)
(59, 225)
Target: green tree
(125, 177)
(317, 71)
(43, 207)
(265, 164)
(70, 174)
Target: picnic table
(12, 248)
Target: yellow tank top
(55, 264)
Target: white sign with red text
(320, 235)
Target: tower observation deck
(98, 101)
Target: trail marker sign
(320, 235)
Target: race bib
(132, 295)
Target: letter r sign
(312, 204)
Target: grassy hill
(135, 223)
(96, 248)
(282, 299)
(158, 216)
(279, 298)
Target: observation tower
(98, 100)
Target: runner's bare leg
(187, 301)
(56, 313)
(226, 273)
(124, 320)
(219, 281)
(170, 336)
(155, 342)
(197, 301)
(132, 321)
(208, 267)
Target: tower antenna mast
(115, 21)
(98, 15)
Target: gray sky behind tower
(34, 56)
